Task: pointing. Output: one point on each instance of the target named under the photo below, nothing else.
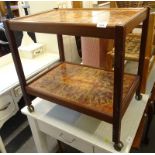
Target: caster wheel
(138, 97)
(30, 108)
(118, 146)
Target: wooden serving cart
(102, 94)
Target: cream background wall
(49, 39)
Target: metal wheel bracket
(138, 97)
(30, 108)
(118, 146)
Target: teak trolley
(93, 91)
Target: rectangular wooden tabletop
(112, 17)
(67, 21)
(82, 88)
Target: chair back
(129, 4)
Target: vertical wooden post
(77, 4)
(148, 52)
(118, 85)
(78, 45)
(113, 4)
(142, 54)
(61, 47)
(18, 64)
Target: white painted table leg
(2, 147)
(39, 137)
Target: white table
(80, 131)
(31, 67)
(10, 91)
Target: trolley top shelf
(90, 22)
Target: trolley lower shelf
(82, 88)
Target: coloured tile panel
(112, 17)
(83, 86)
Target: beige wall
(48, 39)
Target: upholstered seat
(132, 47)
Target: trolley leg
(118, 86)
(18, 64)
(142, 54)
